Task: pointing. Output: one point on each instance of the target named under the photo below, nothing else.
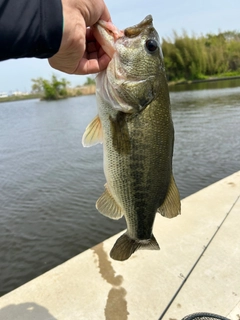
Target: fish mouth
(135, 30)
(107, 34)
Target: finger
(105, 15)
(89, 34)
(92, 47)
(94, 65)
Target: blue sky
(199, 17)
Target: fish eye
(151, 45)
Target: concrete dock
(196, 270)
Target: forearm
(30, 28)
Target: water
(49, 183)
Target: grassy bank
(71, 92)
(91, 89)
(20, 97)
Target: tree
(89, 81)
(52, 90)
(37, 86)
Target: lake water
(49, 183)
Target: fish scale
(135, 126)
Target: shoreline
(90, 90)
(72, 92)
(18, 98)
(215, 79)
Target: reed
(190, 58)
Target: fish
(135, 126)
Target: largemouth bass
(135, 126)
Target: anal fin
(171, 206)
(107, 205)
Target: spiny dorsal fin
(107, 205)
(93, 133)
(171, 206)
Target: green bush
(52, 90)
(193, 57)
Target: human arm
(30, 28)
(55, 29)
(79, 52)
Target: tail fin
(125, 246)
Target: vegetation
(90, 81)
(51, 90)
(186, 58)
(190, 58)
(20, 97)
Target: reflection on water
(50, 183)
(221, 84)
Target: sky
(195, 17)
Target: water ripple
(50, 183)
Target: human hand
(80, 53)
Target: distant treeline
(56, 88)
(189, 58)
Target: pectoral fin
(107, 206)
(171, 206)
(93, 133)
